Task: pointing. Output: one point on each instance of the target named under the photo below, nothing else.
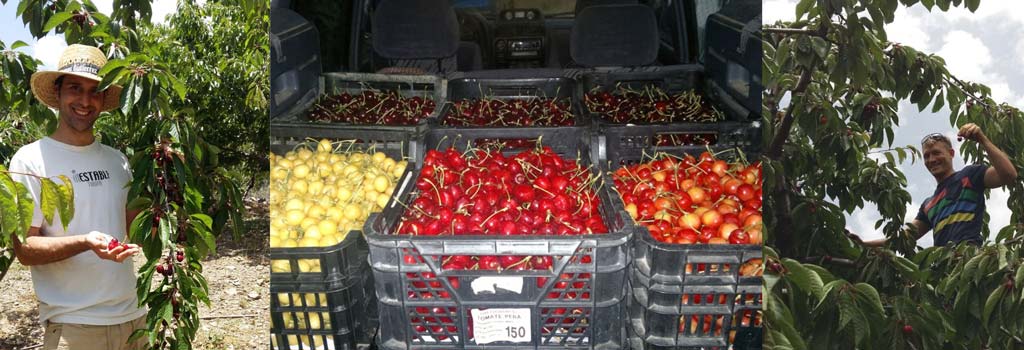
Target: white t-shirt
(82, 289)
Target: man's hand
(99, 241)
(1002, 172)
(971, 132)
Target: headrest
(615, 35)
(582, 4)
(415, 29)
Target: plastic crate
(333, 265)
(396, 142)
(674, 316)
(691, 264)
(310, 317)
(670, 79)
(511, 89)
(426, 307)
(614, 146)
(426, 86)
(571, 142)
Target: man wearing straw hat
(86, 292)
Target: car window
(333, 20)
(704, 9)
(491, 8)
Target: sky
(48, 49)
(984, 47)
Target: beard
(78, 123)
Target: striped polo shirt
(955, 210)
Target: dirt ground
(239, 281)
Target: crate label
(490, 284)
(507, 325)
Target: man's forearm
(39, 250)
(1000, 161)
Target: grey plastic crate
(733, 311)
(511, 89)
(426, 86)
(426, 307)
(347, 315)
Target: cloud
(1019, 49)
(987, 12)
(966, 56)
(778, 10)
(48, 50)
(908, 29)
(162, 8)
(998, 210)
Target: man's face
(938, 157)
(80, 103)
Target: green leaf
(140, 203)
(9, 213)
(111, 66)
(973, 4)
(67, 198)
(939, 103)
(56, 20)
(18, 44)
(871, 296)
(990, 305)
(110, 78)
(26, 209)
(49, 199)
(141, 227)
(804, 278)
(1019, 280)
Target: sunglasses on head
(936, 137)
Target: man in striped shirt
(954, 212)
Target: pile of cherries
(688, 200)
(374, 107)
(650, 105)
(536, 111)
(484, 192)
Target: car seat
(614, 35)
(419, 35)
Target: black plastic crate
(332, 265)
(693, 315)
(424, 86)
(614, 146)
(691, 264)
(669, 79)
(558, 88)
(747, 338)
(398, 143)
(308, 317)
(427, 307)
(571, 142)
(319, 268)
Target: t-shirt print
(954, 212)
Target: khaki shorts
(68, 336)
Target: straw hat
(79, 60)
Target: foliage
(832, 151)
(17, 206)
(179, 84)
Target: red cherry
(113, 244)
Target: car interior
(484, 35)
(508, 39)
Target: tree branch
(796, 31)
(783, 130)
(822, 259)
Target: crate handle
(515, 91)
